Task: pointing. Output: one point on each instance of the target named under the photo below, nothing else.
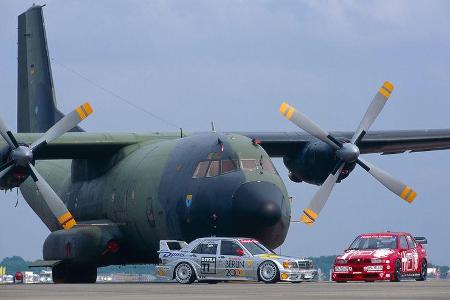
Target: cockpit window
(201, 169)
(229, 166)
(249, 164)
(267, 165)
(213, 169)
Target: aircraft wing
(85, 145)
(279, 144)
(79, 145)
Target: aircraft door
(232, 262)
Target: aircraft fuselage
(202, 185)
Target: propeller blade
(373, 111)
(320, 198)
(5, 168)
(53, 201)
(393, 184)
(5, 133)
(68, 122)
(302, 121)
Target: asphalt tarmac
(247, 291)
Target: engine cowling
(314, 163)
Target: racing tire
(268, 272)
(397, 275)
(184, 273)
(423, 271)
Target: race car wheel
(268, 272)
(184, 273)
(423, 271)
(397, 275)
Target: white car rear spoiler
(171, 245)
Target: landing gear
(67, 273)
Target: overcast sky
(234, 62)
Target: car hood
(362, 254)
(278, 257)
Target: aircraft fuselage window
(229, 166)
(249, 164)
(214, 169)
(201, 169)
(268, 166)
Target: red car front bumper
(360, 273)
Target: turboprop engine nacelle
(314, 163)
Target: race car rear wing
(171, 245)
(421, 240)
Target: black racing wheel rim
(398, 270)
(423, 270)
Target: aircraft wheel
(184, 273)
(397, 275)
(268, 272)
(423, 271)
(64, 273)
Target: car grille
(356, 261)
(304, 264)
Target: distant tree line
(324, 263)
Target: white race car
(217, 259)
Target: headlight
(373, 268)
(289, 264)
(341, 261)
(377, 260)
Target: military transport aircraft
(109, 198)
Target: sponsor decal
(234, 272)
(249, 263)
(269, 256)
(208, 265)
(246, 241)
(172, 254)
(234, 264)
(382, 253)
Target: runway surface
(313, 290)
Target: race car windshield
(380, 242)
(254, 247)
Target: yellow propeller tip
(284, 107)
(389, 86)
(88, 108)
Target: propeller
(347, 153)
(22, 156)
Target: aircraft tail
(36, 103)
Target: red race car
(382, 256)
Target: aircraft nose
(256, 206)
